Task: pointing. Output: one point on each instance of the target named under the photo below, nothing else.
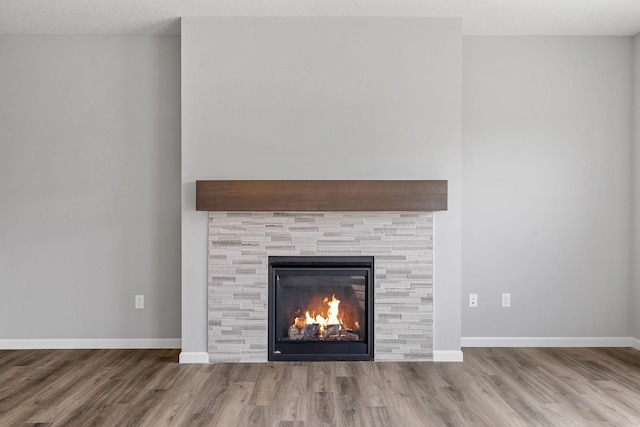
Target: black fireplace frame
(320, 350)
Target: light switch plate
(506, 300)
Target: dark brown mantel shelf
(330, 195)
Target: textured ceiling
(498, 17)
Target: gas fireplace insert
(320, 308)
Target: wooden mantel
(331, 195)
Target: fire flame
(320, 328)
(332, 315)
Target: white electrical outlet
(473, 300)
(139, 302)
(506, 300)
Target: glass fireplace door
(320, 308)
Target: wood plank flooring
(492, 387)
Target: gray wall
(89, 186)
(89, 167)
(635, 285)
(321, 98)
(546, 185)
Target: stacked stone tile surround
(239, 246)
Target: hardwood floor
(493, 387)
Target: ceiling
(479, 17)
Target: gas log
(313, 332)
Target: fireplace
(320, 308)
(241, 244)
(253, 222)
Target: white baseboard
(194, 357)
(549, 342)
(84, 343)
(635, 343)
(447, 356)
